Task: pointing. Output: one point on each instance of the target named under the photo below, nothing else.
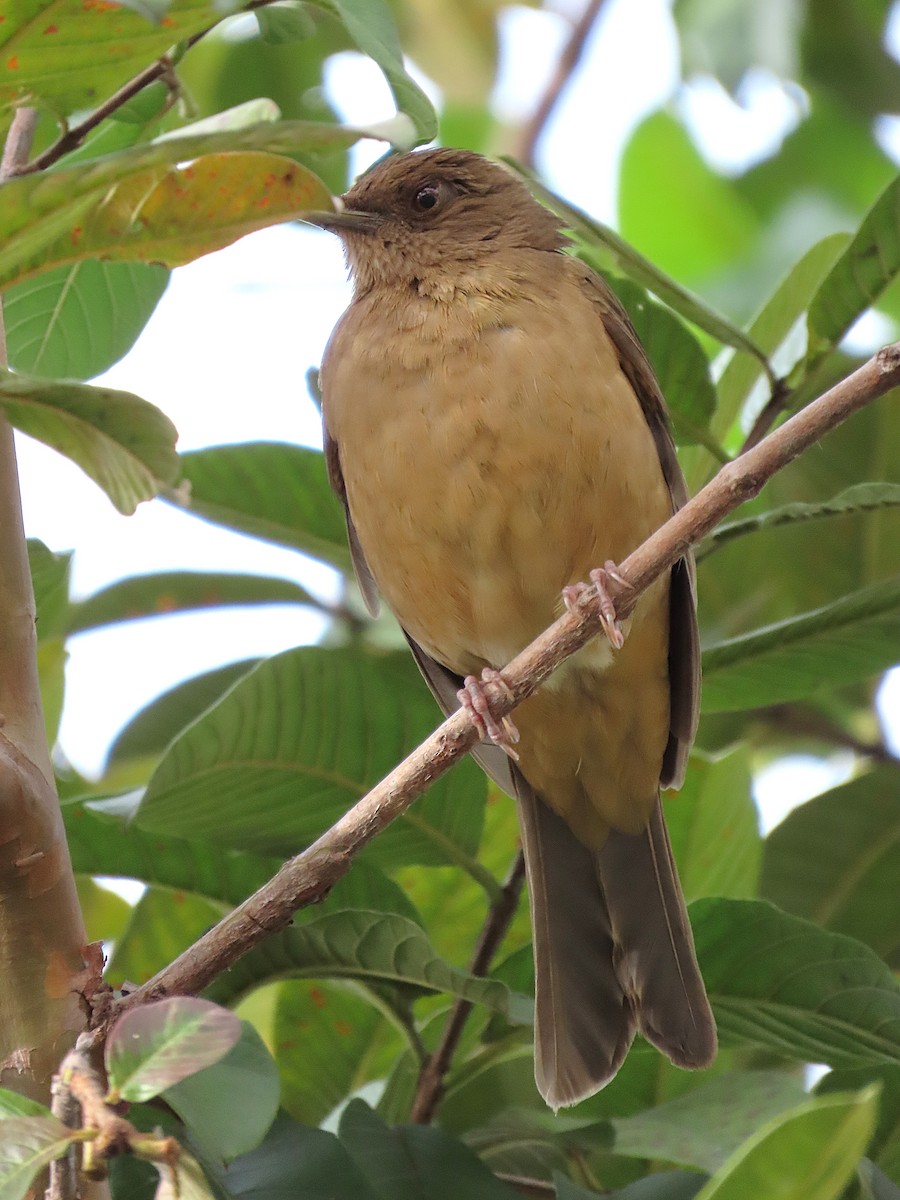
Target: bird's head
(435, 210)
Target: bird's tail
(614, 954)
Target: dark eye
(427, 197)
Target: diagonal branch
(309, 876)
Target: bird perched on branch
(495, 432)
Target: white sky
(226, 352)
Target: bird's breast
(491, 455)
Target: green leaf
(330, 1040)
(595, 236)
(169, 214)
(123, 443)
(371, 26)
(677, 359)
(76, 321)
(845, 52)
(163, 924)
(783, 984)
(368, 948)
(862, 497)
(844, 642)
(415, 1162)
(179, 591)
(809, 1152)
(771, 326)
(861, 274)
(725, 40)
(50, 580)
(69, 55)
(703, 225)
(706, 1125)
(884, 1146)
(270, 490)
(205, 1100)
(27, 1145)
(294, 1161)
(152, 1047)
(103, 845)
(14, 1105)
(151, 729)
(714, 829)
(295, 743)
(285, 21)
(662, 1185)
(836, 861)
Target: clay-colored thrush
(495, 431)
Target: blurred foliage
(755, 274)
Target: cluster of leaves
(209, 787)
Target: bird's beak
(342, 219)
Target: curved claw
(475, 700)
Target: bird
(496, 434)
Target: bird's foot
(474, 699)
(601, 578)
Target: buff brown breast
(495, 431)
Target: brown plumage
(495, 431)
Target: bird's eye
(427, 197)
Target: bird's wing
(684, 642)
(361, 570)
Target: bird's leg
(601, 577)
(474, 699)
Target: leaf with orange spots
(382, 953)
(168, 215)
(68, 54)
(123, 443)
(71, 54)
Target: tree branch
(430, 1088)
(72, 138)
(804, 721)
(566, 66)
(309, 876)
(42, 970)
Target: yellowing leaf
(169, 215)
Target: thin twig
(565, 69)
(81, 1093)
(309, 876)
(64, 1171)
(72, 138)
(768, 415)
(430, 1088)
(807, 722)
